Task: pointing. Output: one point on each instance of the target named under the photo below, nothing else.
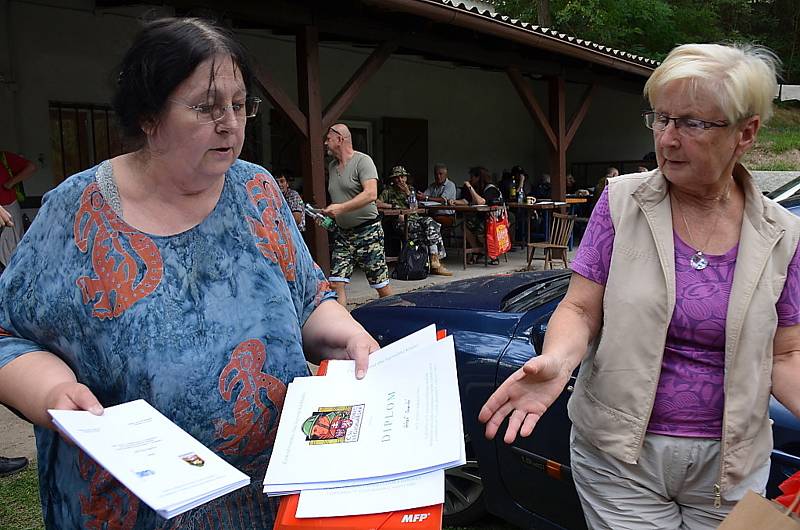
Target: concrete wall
(474, 117)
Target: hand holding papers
(158, 461)
(402, 421)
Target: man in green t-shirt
(353, 187)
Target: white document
(429, 203)
(347, 368)
(401, 494)
(402, 420)
(393, 495)
(159, 462)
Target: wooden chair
(557, 244)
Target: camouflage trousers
(428, 232)
(364, 246)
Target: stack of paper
(373, 445)
(158, 461)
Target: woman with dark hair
(478, 190)
(174, 274)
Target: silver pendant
(698, 261)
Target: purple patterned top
(690, 395)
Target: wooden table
(464, 209)
(525, 209)
(574, 205)
(577, 200)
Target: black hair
(285, 173)
(518, 170)
(164, 54)
(483, 174)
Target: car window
(536, 294)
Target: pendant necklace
(699, 261)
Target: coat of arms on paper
(333, 425)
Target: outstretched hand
(524, 397)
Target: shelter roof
(470, 14)
(547, 32)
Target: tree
(653, 27)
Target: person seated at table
(519, 179)
(442, 191)
(506, 184)
(543, 188)
(421, 229)
(611, 171)
(571, 186)
(293, 198)
(489, 194)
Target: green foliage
(20, 508)
(778, 145)
(653, 27)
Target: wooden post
(558, 156)
(311, 151)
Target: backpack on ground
(412, 264)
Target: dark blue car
(498, 323)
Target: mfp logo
(414, 517)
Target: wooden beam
(311, 155)
(558, 156)
(353, 87)
(529, 100)
(281, 101)
(577, 119)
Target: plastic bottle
(324, 221)
(521, 191)
(412, 199)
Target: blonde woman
(683, 312)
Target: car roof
(786, 192)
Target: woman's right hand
(524, 397)
(71, 395)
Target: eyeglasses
(211, 113)
(332, 130)
(688, 126)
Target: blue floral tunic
(205, 325)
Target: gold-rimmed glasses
(213, 112)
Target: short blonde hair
(741, 77)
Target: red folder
(425, 518)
